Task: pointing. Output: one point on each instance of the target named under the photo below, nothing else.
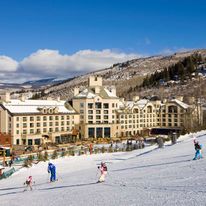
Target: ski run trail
(150, 176)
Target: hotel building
(33, 122)
(95, 112)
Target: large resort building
(33, 122)
(95, 112)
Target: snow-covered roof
(130, 104)
(90, 93)
(33, 106)
(182, 104)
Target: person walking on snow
(52, 170)
(28, 183)
(198, 148)
(103, 171)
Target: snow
(32, 106)
(150, 176)
(110, 94)
(182, 104)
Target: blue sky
(121, 26)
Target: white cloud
(50, 63)
(8, 64)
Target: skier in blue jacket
(52, 170)
(198, 148)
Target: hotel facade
(95, 112)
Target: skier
(198, 148)
(103, 171)
(52, 170)
(28, 183)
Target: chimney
(76, 91)
(122, 100)
(58, 99)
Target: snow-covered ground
(149, 176)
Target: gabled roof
(182, 104)
(32, 106)
(89, 93)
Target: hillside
(129, 74)
(150, 176)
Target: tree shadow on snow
(69, 186)
(151, 165)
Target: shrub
(54, 155)
(103, 149)
(46, 156)
(27, 163)
(40, 157)
(63, 153)
(30, 158)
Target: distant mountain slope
(123, 75)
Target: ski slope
(150, 176)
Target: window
(91, 132)
(106, 117)
(57, 117)
(17, 131)
(90, 117)
(98, 111)
(62, 123)
(30, 141)
(98, 105)
(17, 141)
(90, 105)
(38, 124)
(81, 105)
(17, 125)
(44, 118)
(113, 105)
(31, 131)
(50, 124)
(38, 131)
(106, 132)
(50, 118)
(38, 118)
(50, 130)
(106, 111)
(62, 117)
(31, 124)
(67, 118)
(98, 117)
(99, 132)
(56, 129)
(24, 131)
(62, 128)
(90, 122)
(90, 111)
(24, 125)
(56, 123)
(37, 141)
(106, 105)
(31, 118)
(24, 119)
(44, 124)
(17, 119)
(44, 130)
(81, 111)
